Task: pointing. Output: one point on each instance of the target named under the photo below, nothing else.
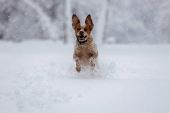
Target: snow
(40, 77)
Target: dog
(85, 49)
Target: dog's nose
(81, 32)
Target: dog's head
(82, 32)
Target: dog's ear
(89, 21)
(75, 21)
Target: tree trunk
(101, 23)
(106, 22)
(68, 22)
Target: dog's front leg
(93, 60)
(78, 66)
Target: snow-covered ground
(40, 77)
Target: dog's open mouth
(81, 37)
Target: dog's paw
(92, 63)
(78, 69)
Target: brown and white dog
(85, 50)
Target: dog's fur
(84, 54)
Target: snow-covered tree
(23, 19)
(130, 21)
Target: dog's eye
(85, 29)
(78, 29)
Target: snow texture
(40, 77)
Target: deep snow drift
(40, 77)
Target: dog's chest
(84, 51)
